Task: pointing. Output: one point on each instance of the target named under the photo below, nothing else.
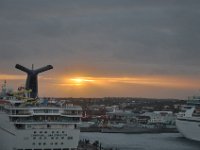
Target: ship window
(52, 138)
(55, 111)
(61, 143)
(51, 143)
(63, 131)
(39, 143)
(33, 144)
(56, 143)
(44, 143)
(70, 138)
(20, 126)
(35, 132)
(62, 137)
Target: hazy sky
(140, 48)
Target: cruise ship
(188, 121)
(30, 123)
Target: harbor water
(163, 141)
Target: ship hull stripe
(7, 131)
(182, 119)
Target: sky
(100, 48)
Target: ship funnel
(32, 78)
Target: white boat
(188, 122)
(31, 124)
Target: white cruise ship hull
(189, 128)
(36, 139)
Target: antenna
(3, 88)
(32, 66)
(5, 82)
(32, 78)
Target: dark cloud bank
(105, 37)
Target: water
(164, 141)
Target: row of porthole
(56, 138)
(46, 138)
(50, 143)
(44, 149)
(46, 132)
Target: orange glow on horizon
(91, 86)
(83, 81)
(159, 81)
(12, 77)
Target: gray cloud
(111, 37)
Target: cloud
(101, 38)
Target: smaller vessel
(188, 121)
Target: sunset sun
(80, 81)
(77, 80)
